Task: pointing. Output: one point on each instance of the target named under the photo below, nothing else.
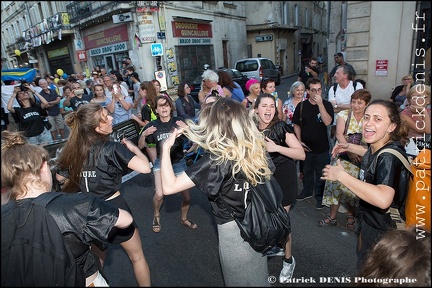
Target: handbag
(47, 124)
(265, 221)
(352, 138)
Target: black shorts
(116, 235)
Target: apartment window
(306, 17)
(285, 13)
(296, 15)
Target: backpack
(33, 249)
(265, 222)
(395, 213)
(336, 84)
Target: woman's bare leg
(134, 250)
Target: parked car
(259, 68)
(235, 75)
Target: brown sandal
(190, 225)
(156, 224)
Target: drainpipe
(340, 39)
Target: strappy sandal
(190, 225)
(327, 221)
(156, 224)
(350, 224)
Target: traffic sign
(156, 49)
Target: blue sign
(161, 35)
(156, 49)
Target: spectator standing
(417, 114)
(284, 149)
(99, 95)
(383, 178)
(156, 132)
(26, 171)
(148, 113)
(134, 77)
(106, 161)
(185, 104)
(158, 88)
(53, 108)
(119, 104)
(29, 115)
(210, 82)
(310, 70)
(340, 61)
(89, 87)
(253, 86)
(117, 77)
(77, 97)
(339, 96)
(231, 88)
(268, 86)
(311, 119)
(232, 162)
(399, 93)
(296, 95)
(348, 122)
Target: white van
(258, 68)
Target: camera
(23, 85)
(78, 92)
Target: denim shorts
(178, 167)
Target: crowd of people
(241, 139)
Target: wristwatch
(335, 106)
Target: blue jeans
(312, 171)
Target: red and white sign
(81, 55)
(381, 68)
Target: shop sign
(191, 30)
(194, 41)
(81, 55)
(58, 52)
(106, 37)
(113, 48)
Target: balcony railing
(82, 11)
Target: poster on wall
(381, 68)
(146, 27)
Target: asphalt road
(179, 256)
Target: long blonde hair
(227, 132)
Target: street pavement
(179, 256)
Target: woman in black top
(95, 164)
(185, 105)
(235, 158)
(29, 114)
(156, 132)
(82, 218)
(284, 149)
(383, 179)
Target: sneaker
(275, 251)
(319, 205)
(287, 271)
(302, 197)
